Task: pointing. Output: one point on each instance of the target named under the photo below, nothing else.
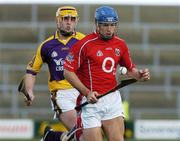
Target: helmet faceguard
(62, 13)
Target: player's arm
(29, 86)
(139, 74)
(76, 83)
(33, 68)
(73, 79)
(70, 67)
(72, 63)
(26, 88)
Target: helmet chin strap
(106, 37)
(65, 33)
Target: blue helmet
(105, 14)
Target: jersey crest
(70, 58)
(99, 53)
(54, 54)
(117, 52)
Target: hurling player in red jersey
(91, 68)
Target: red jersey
(95, 60)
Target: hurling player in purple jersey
(53, 52)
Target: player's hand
(92, 97)
(144, 74)
(28, 94)
(29, 101)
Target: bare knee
(116, 139)
(92, 134)
(68, 119)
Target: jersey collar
(63, 41)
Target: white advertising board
(16, 129)
(157, 129)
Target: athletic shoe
(46, 132)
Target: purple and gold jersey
(53, 52)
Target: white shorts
(66, 99)
(107, 107)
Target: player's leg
(91, 121)
(113, 119)
(63, 102)
(66, 101)
(68, 118)
(114, 129)
(92, 134)
(50, 135)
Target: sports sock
(53, 136)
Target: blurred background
(152, 32)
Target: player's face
(107, 29)
(67, 24)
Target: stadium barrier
(26, 129)
(138, 129)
